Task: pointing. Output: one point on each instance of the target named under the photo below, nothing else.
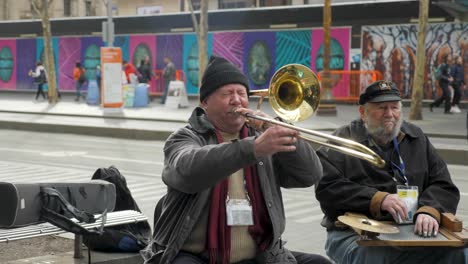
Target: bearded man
(353, 185)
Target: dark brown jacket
(353, 185)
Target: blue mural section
(293, 47)
(190, 61)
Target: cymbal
(370, 225)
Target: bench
(45, 229)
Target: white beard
(380, 134)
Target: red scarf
(219, 234)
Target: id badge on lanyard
(238, 212)
(408, 194)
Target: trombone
(294, 95)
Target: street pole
(327, 103)
(108, 27)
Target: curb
(96, 258)
(125, 133)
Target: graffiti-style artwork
(441, 40)
(7, 64)
(230, 45)
(391, 50)
(293, 47)
(69, 54)
(259, 58)
(340, 44)
(25, 63)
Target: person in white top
(39, 75)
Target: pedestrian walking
(168, 75)
(79, 75)
(458, 83)
(444, 78)
(39, 75)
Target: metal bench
(45, 229)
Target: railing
(347, 85)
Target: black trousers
(301, 258)
(456, 93)
(445, 97)
(40, 91)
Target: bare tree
(327, 105)
(41, 7)
(201, 29)
(4, 9)
(417, 93)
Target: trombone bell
(294, 92)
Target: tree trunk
(202, 40)
(327, 103)
(201, 29)
(4, 10)
(48, 51)
(417, 92)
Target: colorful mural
(258, 53)
(391, 50)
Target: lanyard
(220, 140)
(401, 167)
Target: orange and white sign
(112, 93)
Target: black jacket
(353, 185)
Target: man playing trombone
(223, 203)
(412, 167)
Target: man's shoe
(430, 107)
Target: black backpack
(82, 78)
(122, 238)
(41, 78)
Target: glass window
(88, 8)
(274, 2)
(227, 4)
(67, 7)
(195, 4)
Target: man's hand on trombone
(274, 138)
(259, 125)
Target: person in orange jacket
(129, 69)
(80, 79)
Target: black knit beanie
(220, 72)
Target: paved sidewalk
(156, 122)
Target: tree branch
(194, 18)
(35, 6)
